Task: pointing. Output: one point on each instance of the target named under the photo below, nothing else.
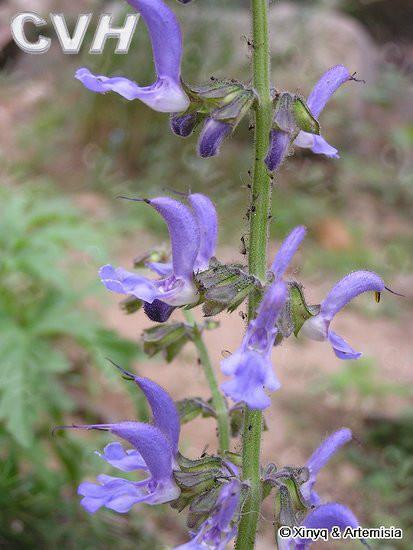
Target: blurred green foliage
(49, 345)
(362, 378)
(386, 463)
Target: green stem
(258, 239)
(218, 400)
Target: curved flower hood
(154, 450)
(166, 93)
(318, 327)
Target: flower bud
(223, 287)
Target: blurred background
(65, 156)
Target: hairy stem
(258, 238)
(218, 400)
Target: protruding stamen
(393, 292)
(126, 375)
(353, 77)
(133, 200)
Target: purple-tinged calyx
(166, 94)
(250, 366)
(290, 117)
(221, 527)
(177, 288)
(222, 105)
(318, 326)
(154, 451)
(296, 121)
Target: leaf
(14, 404)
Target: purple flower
(319, 459)
(184, 125)
(250, 365)
(286, 126)
(212, 136)
(221, 526)
(154, 451)
(325, 516)
(166, 93)
(177, 288)
(207, 219)
(328, 84)
(220, 106)
(287, 250)
(328, 515)
(318, 327)
(278, 149)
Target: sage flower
(325, 516)
(287, 250)
(250, 365)
(221, 526)
(177, 288)
(166, 94)
(318, 326)
(154, 450)
(328, 84)
(212, 136)
(207, 219)
(319, 459)
(293, 123)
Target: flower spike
(318, 326)
(166, 93)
